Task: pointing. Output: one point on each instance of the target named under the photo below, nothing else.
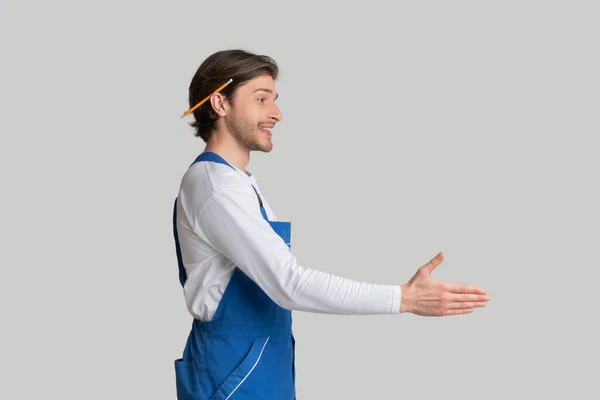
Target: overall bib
(247, 350)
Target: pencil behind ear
(191, 110)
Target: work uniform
(241, 282)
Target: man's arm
(235, 227)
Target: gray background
(409, 128)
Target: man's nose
(276, 113)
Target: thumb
(435, 261)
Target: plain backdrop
(409, 128)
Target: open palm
(427, 296)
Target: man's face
(253, 114)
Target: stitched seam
(221, 192)
(217, 190)
(213, 184)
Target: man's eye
(261, 99)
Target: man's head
(245, 108)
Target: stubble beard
(244, 131)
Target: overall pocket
(234, 376)
(185, 378)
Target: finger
(454, 297)
(459, 311)
(464, 289)
(434, 262)
(466, 305)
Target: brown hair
(239, 65)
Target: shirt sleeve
(232, 222)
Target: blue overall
(247, 350)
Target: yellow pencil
(191, 110)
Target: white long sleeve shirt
(220, 226)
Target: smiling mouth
(266, 130)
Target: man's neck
(230, 150)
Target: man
(240, 279)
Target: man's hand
(426, 296)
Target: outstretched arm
(235, 227)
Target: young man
(240, 279)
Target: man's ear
(219, 104)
